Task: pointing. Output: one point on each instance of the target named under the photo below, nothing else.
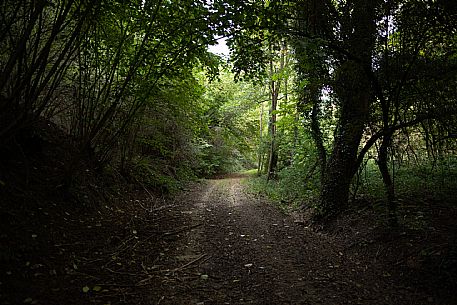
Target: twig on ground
(122, 273)
(182, 229)
(160, 300)
(139, 284)
(190, 263)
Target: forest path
(238, 249)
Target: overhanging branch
(388, 131)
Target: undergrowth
(437, 180)
(415, 183)
(293, 188)
(161, 176)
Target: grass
(249, 172)
(424, 180)
(415, 184)
(289, 191)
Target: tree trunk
(340, 167)
(273, 155)
(387, 179)
(352, 87)
(317, 136)
(260, 150)
(274, 93)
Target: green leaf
(86, 289)
(97, 288)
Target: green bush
(425, 179)
(296, 185)
(154, 175)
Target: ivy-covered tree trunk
(352, 87)
(353, 115)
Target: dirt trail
(241, 250)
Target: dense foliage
(373, 81)
(127, 81)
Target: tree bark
(340, 167)
(317, 136)
(273, 155)
(274, 92)
(387, 179)
(353, 89)
(260, 151)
